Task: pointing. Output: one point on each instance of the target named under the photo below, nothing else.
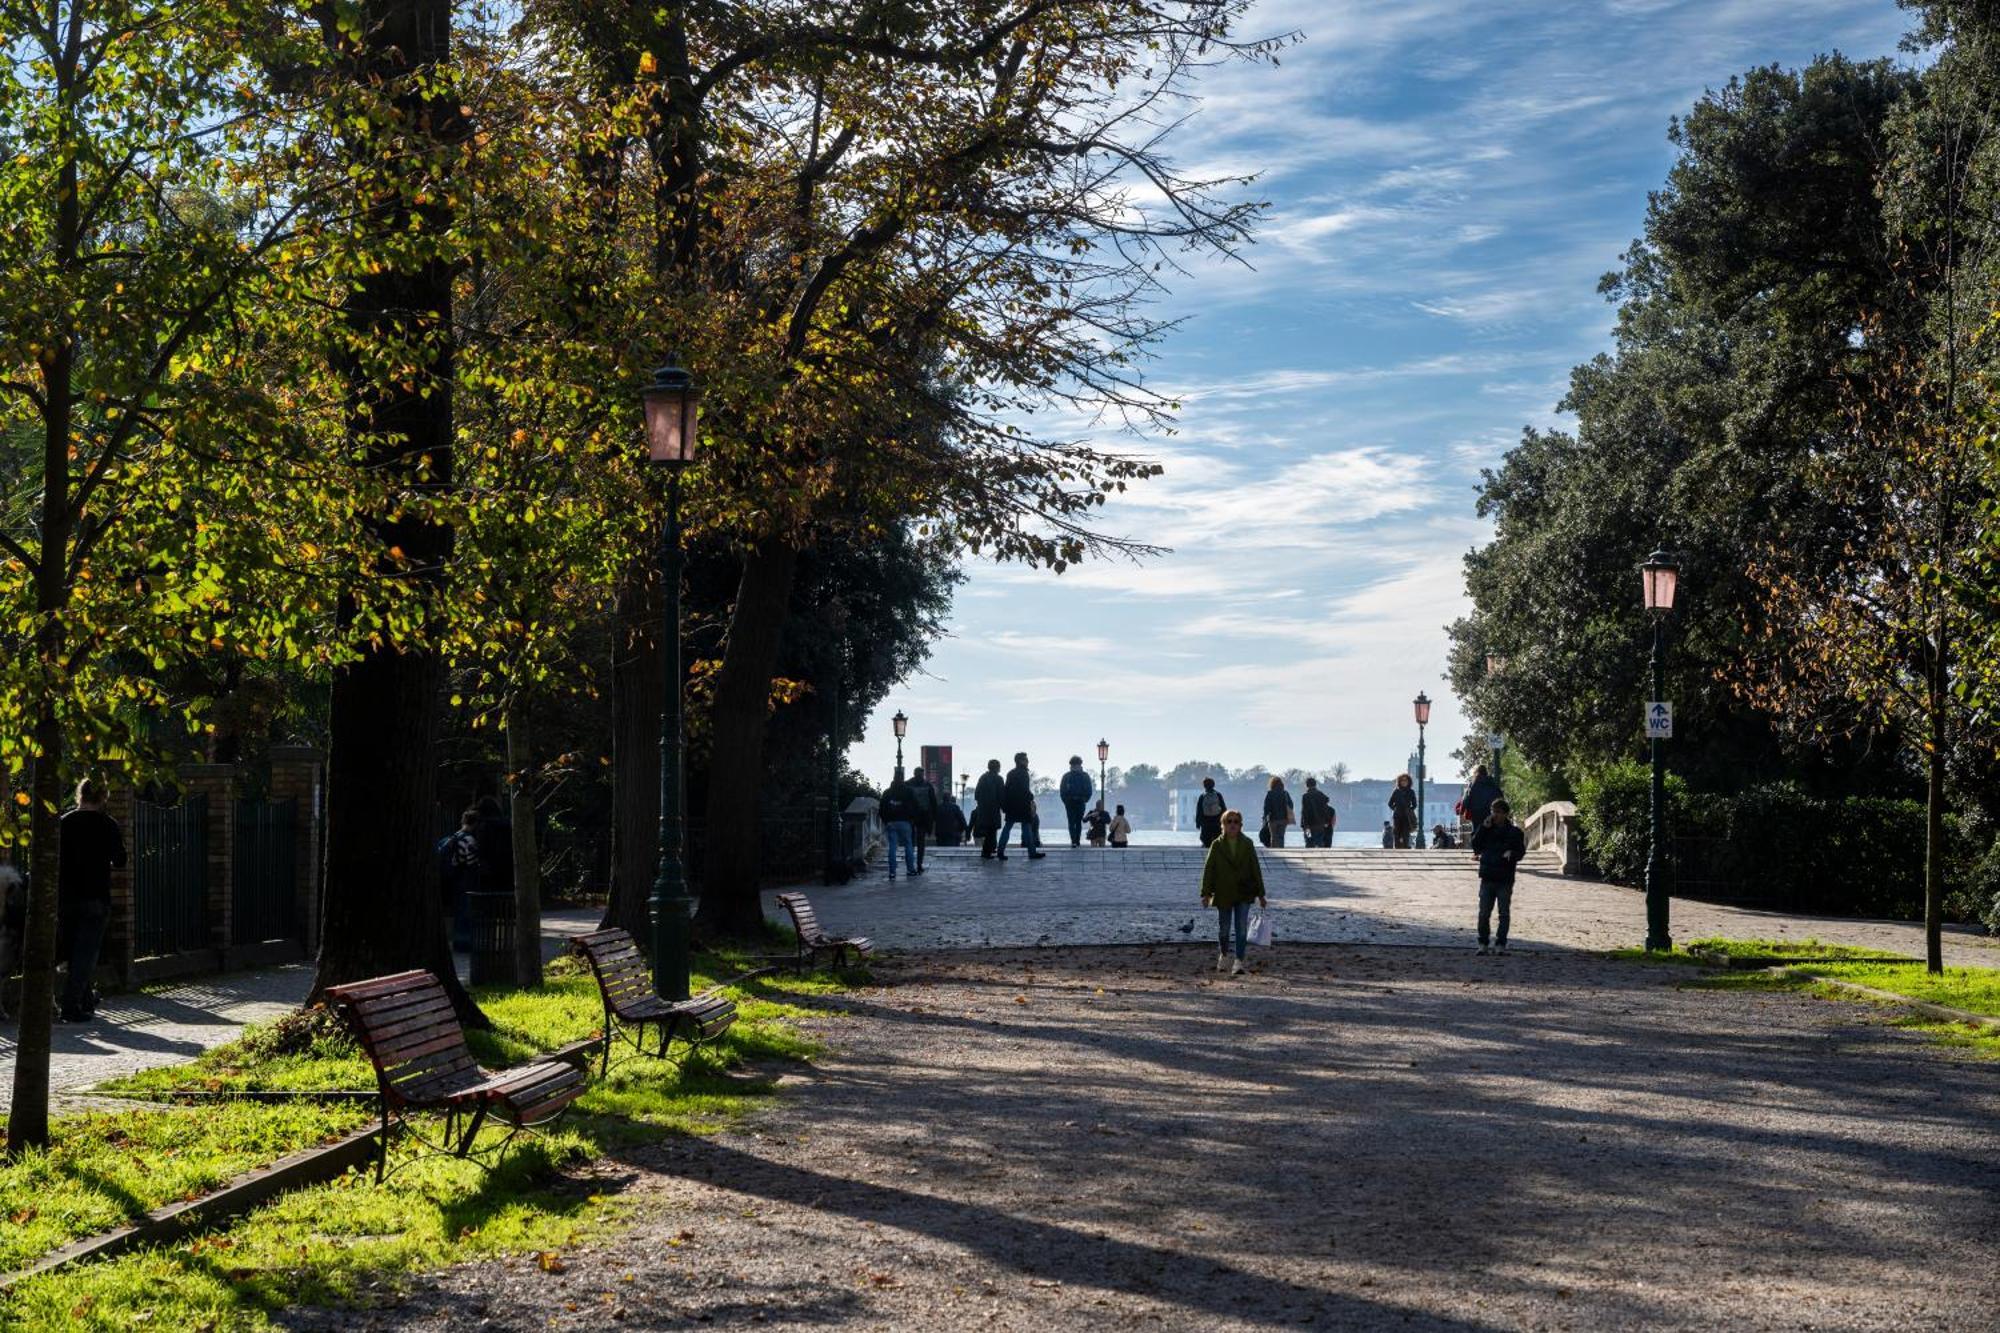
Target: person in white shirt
(1121, 828)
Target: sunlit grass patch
(351, 1241)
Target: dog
(13, 927)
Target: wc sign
(1659, 721)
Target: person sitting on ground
(1231, 879)
(1500, 845)
(1099, 822)
(1121, 829)
(1388, 834)
(1441, 837)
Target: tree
(402, 132)
(1337, 775)
(138, 232)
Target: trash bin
(492, 937)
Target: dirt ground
(1347, 1138)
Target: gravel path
(1349, 1137)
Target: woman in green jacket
(1230, 879)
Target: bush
(1772, 844)
(1613, 807)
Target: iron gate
(263, 874)
(170, 877)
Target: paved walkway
(173, 1024)
(1145, 895)
(1347, 1138)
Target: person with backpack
(1316, 815)
(924, 811)
(1208, 809)
(898, 812)
(1075, 791)
(1277, 812)
(1499, 844)
(458, 875)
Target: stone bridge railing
(1554, 828)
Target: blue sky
(1447, 182)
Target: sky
(1447, 180)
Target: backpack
(1210, 805)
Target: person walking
(1017, 805)
(986, 800)
(1075, 791)
(1403, 809)
(1231, 879)
(1208, 808)
(1499, 845)
(1479, 797)
(1277, 812)
(950, 823)
(458, 875)
(1121, 828)
(924, 812)
(1316, 815)
(898, 812)
(88, 844)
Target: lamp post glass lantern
(902, 726)
(673, 408)
(1660, 577)
(1103, 783)
(1422, 706)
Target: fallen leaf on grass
(20, 1217)
(551, 1262)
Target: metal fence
(170, 877)
(264, 873)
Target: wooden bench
(630, 1004)
(411, 1033)
(813, 941)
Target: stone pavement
(172, 1024)
(1145, 895)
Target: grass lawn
(349, 1240)
(1718, 950)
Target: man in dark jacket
(923, 811)
(1075, 790)
(986, 799)
(89, 844)
(1499, 844)
(1316, 814)
(1017, 803)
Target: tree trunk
(738, 719)
(527, 856)
(383, 911)
(28, 1115)
(638, 697)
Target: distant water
(1150, 837)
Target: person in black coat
(1017, 803)
(986, 798)
(89, 845)
(1499, 844)
(1480, 796)
(1403, 809)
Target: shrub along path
(1337, 896)
(1346, 1138)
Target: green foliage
(1613, 807)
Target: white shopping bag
(1260, 927)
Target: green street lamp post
(673, 408)
(902, 726)
(1103, 783)
(1661, 576)
(1495, 664)
(1422, 705)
